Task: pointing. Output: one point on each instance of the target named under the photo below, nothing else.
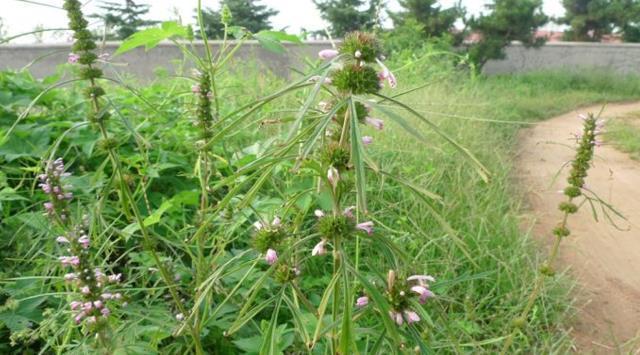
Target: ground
(602, 256)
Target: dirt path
(606, 261)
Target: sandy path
(606, 261)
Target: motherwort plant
(586, 143)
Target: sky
(20, 16)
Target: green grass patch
(624, 134)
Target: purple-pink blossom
(362, 301)
(366, 226)
(333, 176)
(375, 122)
(73, 58)
(423, 292)
(366, 140)
(271, 256)
(319, 249)
(397, 317)
(69, 260)
(327, 54)
(411, 317)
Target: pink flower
(84, 241)
(387, 75)
(85, 290)
(48, 206)
(117, 296)
(366, 140)
(397, 317)
(276, 222)
(73, 58)
(79, 317)
(92, 320)
(362, 301)
(319, 248)
(423, 292)
(333, 176)
(195, 88)
(69, 260)
(411, 317)
(106, 296)
(70, 276)
(375, 122)
(98, 304)
(327, 54)
(105, 312)
(348, 212)
(271, 256)
(75, 305)
(87, 306)
(366, 226)
(318, 213)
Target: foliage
(123, 20)
(509, 20)
(433, 20)
(624, 134)
(249, 14)
(348, 15)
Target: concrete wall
(619, 57)
(43, 59)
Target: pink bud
(271, 256)
(366, 226)
(319, 248)
(375, 122)
(366, 140)
(362, 301)
(327, 54)
(333, 176)
(411, 317)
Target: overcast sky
(20, 16)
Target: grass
(495, 258)
(624, 134)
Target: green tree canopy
(123, 20)
(349, 15)
(245, 13)
(435, 21)
(509, 20)
(590, 20)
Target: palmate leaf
(150, 37)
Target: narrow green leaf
(356, 159)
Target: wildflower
(366, 226)
(423, 292)
(87, 306)
(79, 317)
(62, 240)
(85, 290)
(106, 296)
(318, 213)
(195, 89)
(387, 75)
(348, 212)
(70, 276)
(84, 241)
(271, 256)
(327, 54)
(179, 317)
(397, 317)
(258, 225)
(357, 54)
(98, 304)
(362, 301)
(276, 222)
(411, 317)
(366, 140)
(421, 278)
(92, 320)
(69, 260)
(75, 305)
(319, 248)
(333, 176)
(115, 278)
(375, 122)
(73, 58)
(106, 312)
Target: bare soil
(605, 259)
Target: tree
(435, 21)
(123, 20)
(348, 15)
(509, 20)
(245, 13)
(590, 20)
